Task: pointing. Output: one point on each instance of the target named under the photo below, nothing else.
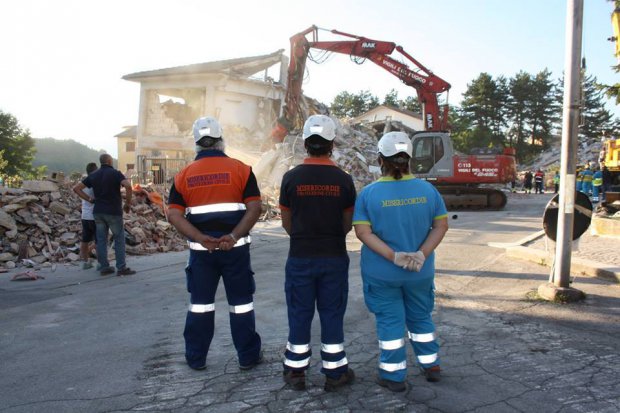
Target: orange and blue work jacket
(213, 192)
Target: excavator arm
(427, 84)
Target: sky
(62, 61)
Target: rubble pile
(355, 151)
(40, 224)
(587, 151)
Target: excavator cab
(431, 155)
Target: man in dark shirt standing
(108, 212)
(317, 200)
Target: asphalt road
(79, 342)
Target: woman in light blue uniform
(400, 221)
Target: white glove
(417, 261)
(402, 259)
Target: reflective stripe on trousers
(297, 356)
(201, 308)
(241, 309)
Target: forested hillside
(64, 155)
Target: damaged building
(382, 119)
(240, 93)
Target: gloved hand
(402, 259)
(417, 261)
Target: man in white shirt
(88, 222)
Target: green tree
(412, 104)
(595, 119)
(348, 105)
(460, 129)
(519, 88)
(484, 104)
(391, 99)
(543, 111)
(3, 162)
(18, 146)
(612, 91)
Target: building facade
(238, 92)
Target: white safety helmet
(395, 142)
(208, 127)
(320, 125)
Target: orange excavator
(457, 177)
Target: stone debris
(27, 276)
(40, 224)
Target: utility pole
(560, 288)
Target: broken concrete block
(138, 233)
(59, 208)
(7, 221)
(10, 265)
(44, 227)
(73, 257)
(39, 259)
(6, 256)
(13, 207)
(25, 199)
(163, 225)
(40, 186)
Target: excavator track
(469, 198)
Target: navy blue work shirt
(106, 185)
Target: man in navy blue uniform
(317, 200)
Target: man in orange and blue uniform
(214, 202)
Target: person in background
(528, 178)
(106, 183)
(597, 184)
(316, 200)
(539, 181)
(586, 180)
(214, 202)
(89, 228)
(400, 221)
(527, 182)
(556, 182)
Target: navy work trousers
(203, 274)
(322, 282)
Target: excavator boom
(457, 177)
(427, 84)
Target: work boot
(393, 386)
(250, 366)
(87, 265)
(106, 271)
(125, 271)
(295, 379)
(432, 374)
(345, 379)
